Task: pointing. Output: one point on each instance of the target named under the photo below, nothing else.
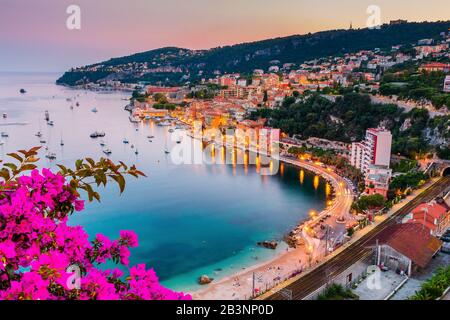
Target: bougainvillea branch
(42, 257)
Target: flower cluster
(42, 257)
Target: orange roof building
(433, 216)
(406, 247)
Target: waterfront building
(375, 149)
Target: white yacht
(164, 123)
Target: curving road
(318, 277)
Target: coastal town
(276, 158)
(368, 182)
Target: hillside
(347, 119)
(176, 65)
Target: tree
(160, 98)
(365, 203)
(43, 257)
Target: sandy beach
(266, 275)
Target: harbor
(171, 209)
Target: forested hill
(174, 65)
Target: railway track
(358, 250)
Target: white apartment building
(374, 150)
(447, 84)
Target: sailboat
(166, 150)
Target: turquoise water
(190, 219)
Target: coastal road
(334, 217)
(318, 277)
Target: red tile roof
(411, 240)
(433, 209)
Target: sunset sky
(34, 37)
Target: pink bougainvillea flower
(42, 257)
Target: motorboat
(2, 142)
(171, 130)
(97, 134)
(150, 137)
(126, 141)
(5, 115)
(22, 91)
(50, 123)
(4, 134)
(102, 143)
(51, 155)
(107, 151)
(94, 110)
(42, 141)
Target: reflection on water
(302, 176)
(190, 219)
(316, 182)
